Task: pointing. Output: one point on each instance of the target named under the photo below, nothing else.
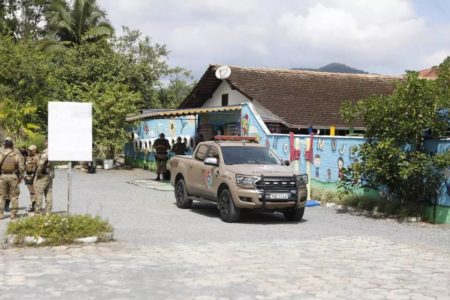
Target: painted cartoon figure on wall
(340, 168)
(320, 144)
(317, 164)
(172, 128)
(245, 123)
(333, 145)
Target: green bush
(366, 202)
(59, 229)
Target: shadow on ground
(248, 217)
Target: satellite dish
(223, 72)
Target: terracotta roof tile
(301, 98)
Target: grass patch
(59, 229)
(362, 202)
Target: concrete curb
(31, 240)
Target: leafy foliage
(70, 25)
(393, 157)
(24, 87)
(119, 75)
(23, 19)
(59, 229)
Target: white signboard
(69, 131)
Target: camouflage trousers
(30, 186)
(161, 161)
(9, 190)
(43, 187)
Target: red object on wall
(309, 153)
(294, 154)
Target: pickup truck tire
(181, 195)
(228, 211)
(295, 214)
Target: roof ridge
(319, 73)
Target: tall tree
(74, 24)
(23, 19)
(394, 155)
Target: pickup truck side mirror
(211, 161)
(286, 162)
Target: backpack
(9, 164)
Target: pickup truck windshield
(249, 155)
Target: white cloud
(436, 58)
(384, 36)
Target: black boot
(7, 202)
(157, 178)
(32, 207)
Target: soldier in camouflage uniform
(44, 181)
(31, 162)
(12, 170)
(161, 146)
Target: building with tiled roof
(289, 99)
(431, 73)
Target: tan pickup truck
(238, 176)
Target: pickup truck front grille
(276, 183)
(277, 189)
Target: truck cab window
(213, 152)
(201, 152)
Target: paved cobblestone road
(166, 253)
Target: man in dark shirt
(179, 148)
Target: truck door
(209, 184)
(195, 176)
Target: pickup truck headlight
(247, 180)
(301, 179)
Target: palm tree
(70, 25)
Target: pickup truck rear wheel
(295, 214)
(228, 211)
(181, 195)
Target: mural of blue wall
(440, 147)
(330, 153)
(144, 135)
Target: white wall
(234, 96)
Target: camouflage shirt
(17, 160)
(45, 167)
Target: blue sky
(434, 11)
(382, 36)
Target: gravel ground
(144, 216)
(163, 252)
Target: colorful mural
(331, 153)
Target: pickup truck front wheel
(181, 195)
(295, 214)
(228, 211)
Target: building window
(224, 99)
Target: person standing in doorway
(161, 146)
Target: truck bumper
(251, 199)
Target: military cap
(8, 139)
(32, 148)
